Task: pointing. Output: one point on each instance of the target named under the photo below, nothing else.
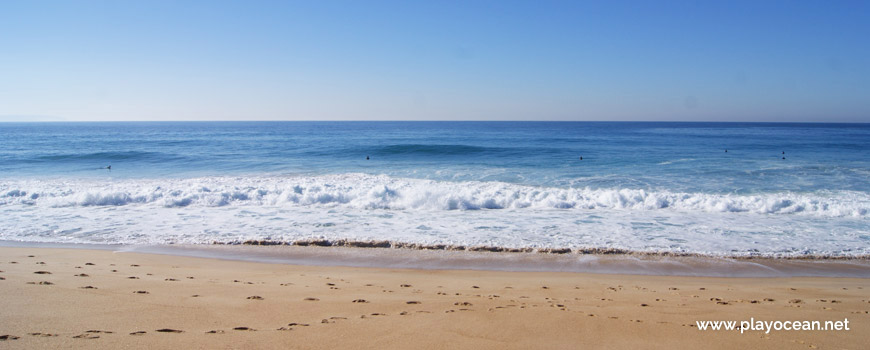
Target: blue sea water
(656, 186)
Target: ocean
(780, 190)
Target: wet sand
(74, 298)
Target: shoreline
(84, 298)
(383, 244)
(427, 259)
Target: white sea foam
(366, 207)
(359, 191)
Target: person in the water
(367, 157)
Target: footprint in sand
(141, 292)
(8, 337)
(133, 278)
(243, 329)
(88, 287)
(86, 336)
(169, 330)
(412, 302)
(82, 275)
(38, 334)
(214, 332)
(311, 299)
(89, 264)
(360, 301)
(42, 273)
(255, 297)
(138, 333)
(171, 280)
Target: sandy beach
(75, 298)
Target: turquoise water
(639, 186)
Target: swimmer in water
(367, 157)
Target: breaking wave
(360, 191)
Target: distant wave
(430, 149)
(360, 191)
(108, 156)
(668, 162)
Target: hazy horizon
(58, 120)
(738, 61)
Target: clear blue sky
(435, 60)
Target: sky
(781, 61)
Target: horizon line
(427, 121)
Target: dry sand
(71, 298)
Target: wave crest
(382, 192)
